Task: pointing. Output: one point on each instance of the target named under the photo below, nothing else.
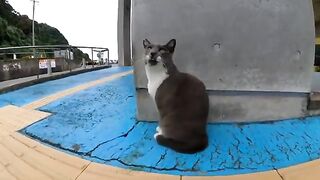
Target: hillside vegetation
(16, 30)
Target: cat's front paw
(159, 130)
(156, 135)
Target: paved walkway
(17, 83)
(24, 158)
(32, 93)
(99, 124)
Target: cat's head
(156, 54)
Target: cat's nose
(153, 54)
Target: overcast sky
(83, 23)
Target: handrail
(51, 47)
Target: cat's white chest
(156, 75)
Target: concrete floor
(99, 124)
(24, 158)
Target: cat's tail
(182, 147)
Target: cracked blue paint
(99, 124)
(29, 94)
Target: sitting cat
(181, 100)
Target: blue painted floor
(99, 124)
(29, 94)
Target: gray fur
(182, 102)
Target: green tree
(3, 28)
(16, 29)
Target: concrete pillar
(316, 6)
(83, 63)
(124, 44)
(49, 70)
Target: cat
(181, 100)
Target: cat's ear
(171, 45)
(146, 43)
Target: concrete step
(314, 101)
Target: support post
(49, 70)
(124, 43)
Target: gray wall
(13, 69)
(226, 106)
(124, 44)
(233, 45)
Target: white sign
(43, 63)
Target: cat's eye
(162, 50)
(149, 47)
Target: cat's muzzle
(152, 62)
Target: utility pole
(33, 42)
